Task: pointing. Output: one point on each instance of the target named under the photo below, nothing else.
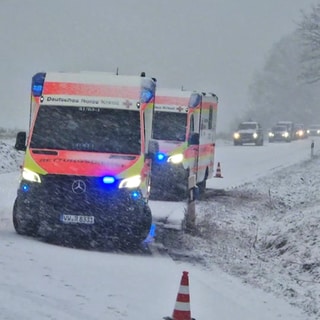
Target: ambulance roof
(167, 92)
(94, 78)
(172, 100)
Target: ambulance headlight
(130, 183)
(176, 158)
(30, 176)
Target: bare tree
(309, 31)
(278, 93)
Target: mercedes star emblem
(78, 186)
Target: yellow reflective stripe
(31, 164)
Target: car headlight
(286, 134)
(236, 135)
(255, 135)
(176, 158)
(130, 183)
(271, 134)
(30, 176)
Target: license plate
(77, 219)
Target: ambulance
(88, 156)
(184, 126)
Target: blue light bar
(37, 90)
(37, 84)
(195, 100)
(108, 180)
(146, 95)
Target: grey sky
(213, 45)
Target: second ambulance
(185, 127)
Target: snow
(255, 256)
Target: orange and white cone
(218, 172)
(182, 307)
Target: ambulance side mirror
(194, 139)
(20, 144)
(153, 149)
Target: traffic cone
(218, 172)
(182, 307)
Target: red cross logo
(179, 108)
(127, 103)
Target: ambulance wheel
(21, 225)
(202, 188)
(132, 239)
(203, 185)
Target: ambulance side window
(192, 123)
(193, 136)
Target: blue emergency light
(108, 180)
(37, 84)
(152, 231)
(135, 195)
(146, 95)
(194, 101)
(160, 156)
(25, 187)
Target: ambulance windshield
(87, 129)
(170, 126)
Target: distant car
(300, 131)
(290, 128)
(313, 130)
(248, 132)
(279, 133)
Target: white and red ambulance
(88, 156)
(184, 125)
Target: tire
(202, 185)
(202, 188)
(132, 240)
(23, 226)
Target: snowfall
(255, 253)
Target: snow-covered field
(262, 234)
(267, 233)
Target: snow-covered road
(42, 281)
